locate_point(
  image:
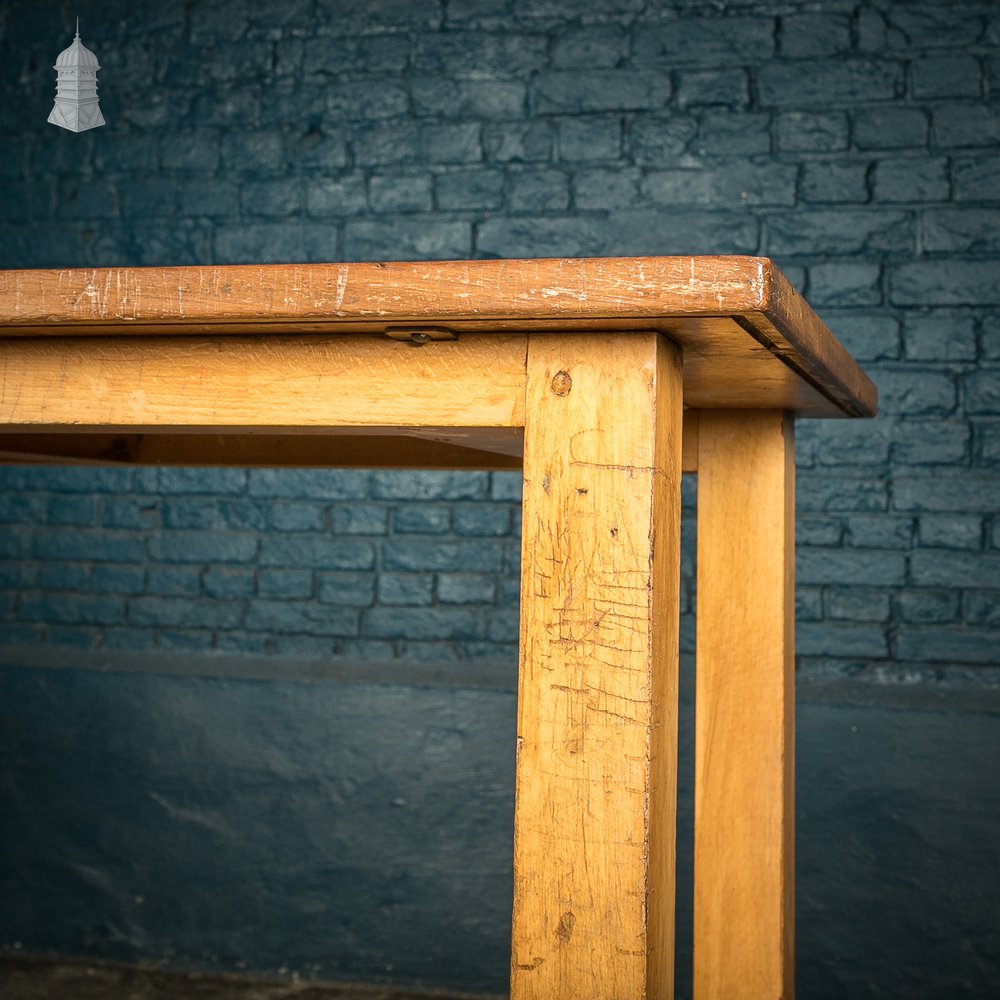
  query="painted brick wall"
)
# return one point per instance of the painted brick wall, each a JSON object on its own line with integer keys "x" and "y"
{"x": 857, "y": 144}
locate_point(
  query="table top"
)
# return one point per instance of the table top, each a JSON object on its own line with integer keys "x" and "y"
{"x": 749, "y": 338}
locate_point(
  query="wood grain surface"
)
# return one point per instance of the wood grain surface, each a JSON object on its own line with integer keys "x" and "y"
{"x": 722, "y": 309}
{"x": 744, "y": 708}
{"x": 597, "y": 701}
{"x": 260, "y": 383}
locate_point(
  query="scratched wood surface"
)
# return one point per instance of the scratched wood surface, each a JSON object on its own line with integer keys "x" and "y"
{"x": 724, "y": 310}
{"x": 270, "y": 383}
{"x": 597, "y": 702}
{"x": 744, "y": 708}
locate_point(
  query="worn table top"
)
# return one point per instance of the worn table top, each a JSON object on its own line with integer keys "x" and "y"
{"x": 749, "y": 338}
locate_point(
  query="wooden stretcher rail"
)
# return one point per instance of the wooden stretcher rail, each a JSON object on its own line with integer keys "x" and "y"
{"x": 748, "y": 338}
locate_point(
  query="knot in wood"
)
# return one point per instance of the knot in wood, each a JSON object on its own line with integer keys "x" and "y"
{"x": 561, "y": 383}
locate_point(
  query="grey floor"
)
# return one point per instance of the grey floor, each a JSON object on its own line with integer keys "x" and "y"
{"x": 57, "y": 979}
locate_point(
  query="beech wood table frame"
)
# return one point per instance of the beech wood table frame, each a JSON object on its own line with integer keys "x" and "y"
{"x": 603, "y": 379}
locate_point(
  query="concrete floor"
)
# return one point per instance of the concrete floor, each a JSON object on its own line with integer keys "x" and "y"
{"x": 32, "y": 978}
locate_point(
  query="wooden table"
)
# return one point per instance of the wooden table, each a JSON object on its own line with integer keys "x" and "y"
{"x": 603, "y": 379}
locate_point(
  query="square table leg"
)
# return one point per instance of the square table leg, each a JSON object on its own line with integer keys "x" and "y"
{"x": 597, "y": 703}
{"x": 744, "y": 708}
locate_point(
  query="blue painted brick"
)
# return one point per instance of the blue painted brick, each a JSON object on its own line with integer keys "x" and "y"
{"x": 508, "y": 485}
{"x": 502, "y": 625}
{"x": 201, "y": 547}
{"x": 704, "y": 39}
{"x": 808, "y": 604}
{"x": 112, "y": 579}
{"x": 608, "y": 187}
{"x": 948, "y": 568}
{"x": 83, "y": 609}
{"x": 285, "y": 583}
{"x": 841, "y": 639}
{"x": 945, "y": 283}
{"x": 566, "y": 91}
{"x": 706, "y": 87}
{"x": 890, "y": 127}
{"x": 918, "y": 26}
{"x": 197, "y": 150}
{"x": 980, "y": 607}
{"x": 359, "y": 519}
{"x": 478, "y": 556}
{"x": 401, "y": 192}
{"x": 884, "y": 531}
{"x": 405, "y": 588}
{"x": 479, "y": 99}
{"x": 652, "y": 140}
{"x": 939, "y": 337}
{"x": 965, "y": 124}
{"x": 257, "y": 150}
{"x": 847, "y": 566}
{"x": 22, "y": 508}
{"x": 458, "y": 190}
{"x": 537, "y": 191}
{"x": 187, "y": 641}
{"x": 77, "y": 479}
{"x": 955, "y": 74}
{"x": 834, "y": 182}
{"x": 956, "y": 531}
{"x": 931, "y": 442}
{"x": 465, "y": 588}
{"x": 857, "y": 604}
{"x": 350, "y": 100}
{"x": 584, "y": 46}
{"x": 982, "y": 391}
{"x": 518, "y": 142}
{"x": 846, "y": 231}
{"x": 313, "y": 484}
{"x": 411, "y": 239}
{"x": 429, "y": 485}
{"x": 62, "y": 576}
{"x": 72, "y": 636}
{"x": 481, "y": 519}
{"x": 279, "y": 197}
{"x": 315, "y": 552}
{"x": 425, "y": 623}
{"x": 926, "y": 606}
{"x": 337, "y": 196}
{"x": 205, "y": 481}
{"x": 730, "y": 184}
{"x": 844, "y": 283}
{"x": 592, "y": 137}
{"x": 914, "y": 391}
{"x": 960, "y": 644}
{"x": 421, "y": 519}
{"x": 175, "y": 581}
{"x": 731, "y": 133}
{"x": 812, "y": 131}
{"x": 307, "y": 617}
{"x": 292, "y": 516}
{"x": 209, "y": 196}
{"x": 355, "y": 590}
{"x": 962, "y": 230}
{"x": 960, "y": 493}
{"x": 830, "y": 82}
{"x": 805, "y": 36}
{"x": 64, "y": 543}
{"x": 976, "y": 177}
{"x": 174, "y": 612}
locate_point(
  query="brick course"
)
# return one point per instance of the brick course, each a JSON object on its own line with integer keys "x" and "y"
{"x": 857, "y": 145}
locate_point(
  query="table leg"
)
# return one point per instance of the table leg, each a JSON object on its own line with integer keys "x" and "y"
{"x": 597, "y": 703}
{"x": 744, "y": 708}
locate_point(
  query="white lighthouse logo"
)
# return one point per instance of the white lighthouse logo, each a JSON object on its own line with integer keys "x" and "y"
{"x": 76, "y": 106}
